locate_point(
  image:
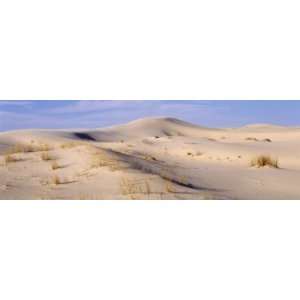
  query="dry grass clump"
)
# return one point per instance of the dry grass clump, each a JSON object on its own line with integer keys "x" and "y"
{"x": 211, "y": 139}
{"x": 55, "y": 166}
{"x": 46, "y": 156}
{"x": 56, "y": 180}
{"x": 251, "y": 139}
{"x": 149, "y": 157}
{"x": 71, "y": 145}
{"x": 267, "y": 140}
{"x": 198, "y": 153}
{"x": 102, "y": 160}
{"x": 170, "y": 188}
{"x": 264, "y": 160}
{"x": 8, "y": 158}
{"x": 130, "y": 187}
{"x": 24, "y": 148}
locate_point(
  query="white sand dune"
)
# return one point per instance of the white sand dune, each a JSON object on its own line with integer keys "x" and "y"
{"x": 152, "y": 158}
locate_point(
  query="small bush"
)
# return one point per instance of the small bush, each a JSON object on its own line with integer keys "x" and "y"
{"x": 267, "y": 140}
{"x": 264, "y": 160}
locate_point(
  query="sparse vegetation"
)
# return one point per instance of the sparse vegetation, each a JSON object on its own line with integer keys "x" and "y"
{"x": 149, "y": 157}
{"x": 170, "y": 188}
{"x": 46, "y": 156}
{"x": 131, "y": 187}
{"x": 251, "y": 139}
{"x": 189, "y": 153}
{"x": 56, "y": 180}
{"x": 267, "y": 140}
{"x": 71, "y": 145}
{"x": 24, "y": 148}
{"x": 55, "y": 165}
{"x": 100, "y": 159}
{"x": 8, "y": 158}
{"x": 264, "y": 160}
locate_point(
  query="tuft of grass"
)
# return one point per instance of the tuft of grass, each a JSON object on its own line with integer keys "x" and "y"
{"x": 149, "y": 157}
{"x": 55, "y": 166}
{"x": 131, "y": 187}
{"x": 251, "y": 139}
{"x": 24, "y": 148}
{"x": 71, "y": 145}
{"x": 267, "y": 140}
{"x": 264, "y": 160}
{"x": 56, "y": 180}
{"x": 8, "y": 158}
{"x": 170, "y": 188}
{"x": 102, "y": 160}
{"x": 189, "y": 153}
{"x": 46, "y": 156}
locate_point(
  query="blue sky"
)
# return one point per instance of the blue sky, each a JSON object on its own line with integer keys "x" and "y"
{"x": 95, "y": 114}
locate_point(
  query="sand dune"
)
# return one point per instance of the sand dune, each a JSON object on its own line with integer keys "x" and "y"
{"x": 152, "y": 158}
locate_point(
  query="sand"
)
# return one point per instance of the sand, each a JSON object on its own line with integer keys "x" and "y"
{"x": 152, "y": 158}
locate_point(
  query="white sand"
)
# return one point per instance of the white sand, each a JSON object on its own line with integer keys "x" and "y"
{"x": 155, "y": 158}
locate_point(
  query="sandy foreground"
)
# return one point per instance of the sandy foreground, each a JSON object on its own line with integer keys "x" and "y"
{"x": 154, "y": 158}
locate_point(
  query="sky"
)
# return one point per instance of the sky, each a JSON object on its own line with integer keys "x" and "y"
{"x": 64, "y": 114}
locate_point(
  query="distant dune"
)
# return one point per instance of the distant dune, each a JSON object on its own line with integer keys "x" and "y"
{"x": 151, "y": 158}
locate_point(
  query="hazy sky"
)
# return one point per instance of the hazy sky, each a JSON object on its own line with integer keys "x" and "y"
{"x": 93, "y": 114}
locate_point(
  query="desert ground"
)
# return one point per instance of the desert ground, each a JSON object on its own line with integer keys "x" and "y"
{"x": 151, "y": 158}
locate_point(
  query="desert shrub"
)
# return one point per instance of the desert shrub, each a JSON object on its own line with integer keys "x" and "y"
{"x": 267, "y": 140}
{"x": 189, "y": 153}
{"x": 264, "y": 160}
